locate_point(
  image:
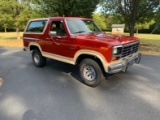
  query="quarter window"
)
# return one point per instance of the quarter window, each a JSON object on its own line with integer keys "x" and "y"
{"x": 36, "y": 26}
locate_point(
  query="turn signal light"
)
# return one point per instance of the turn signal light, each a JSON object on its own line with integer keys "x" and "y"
{"x": 104, "y": 48}
{"x": 114, "y": 58}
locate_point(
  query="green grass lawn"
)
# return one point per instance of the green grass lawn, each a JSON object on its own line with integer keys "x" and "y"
{"x": 149, "y": 43}
{"x": 149, "y": 38}
{"x": 9, "y": 35}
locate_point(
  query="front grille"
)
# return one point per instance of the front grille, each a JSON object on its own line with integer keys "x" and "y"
{"x": 130, "y": 49}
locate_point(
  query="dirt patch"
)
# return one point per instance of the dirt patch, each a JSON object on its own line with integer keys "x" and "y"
{"x": 150, "y": 49}
{"x": 11, "y": 43}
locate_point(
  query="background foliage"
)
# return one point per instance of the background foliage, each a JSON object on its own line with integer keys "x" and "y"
{"x": 133, "y": 12}
{"x": 138, "y": 15}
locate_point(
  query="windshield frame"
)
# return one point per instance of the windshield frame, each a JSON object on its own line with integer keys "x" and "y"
{"x": 83, "y": 19}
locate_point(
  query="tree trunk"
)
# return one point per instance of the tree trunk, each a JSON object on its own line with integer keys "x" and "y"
{"x": 137, "y": 31}
{"x": 18, "y": 34}
{"x": 132, "y": 31}
{"x": 5, "y": 29}
{"x": 133, "y": 10}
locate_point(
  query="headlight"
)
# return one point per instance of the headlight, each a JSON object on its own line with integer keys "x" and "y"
{"x": 117, "y": 50}
{"x": 116, "y": 53}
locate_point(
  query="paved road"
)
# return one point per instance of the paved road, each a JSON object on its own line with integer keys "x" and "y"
{"x": 55, "y": 93}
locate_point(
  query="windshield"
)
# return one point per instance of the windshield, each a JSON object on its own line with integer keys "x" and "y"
{"x": 82, "y": 26}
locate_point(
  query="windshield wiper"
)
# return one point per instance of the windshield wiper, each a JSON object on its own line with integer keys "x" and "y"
{"x": 79, "y": 32}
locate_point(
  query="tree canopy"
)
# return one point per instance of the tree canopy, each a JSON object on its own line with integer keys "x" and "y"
{"x": 100, "y": 21}
{"x": 14, "y": 14}
{"x": 82, "y": 8}
{"x": 132, "y": 11}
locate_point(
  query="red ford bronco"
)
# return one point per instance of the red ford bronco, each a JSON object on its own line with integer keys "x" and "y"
{"x": 80, "y": 41}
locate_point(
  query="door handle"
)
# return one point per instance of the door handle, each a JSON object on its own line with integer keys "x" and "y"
{"x": 48, "y": 38}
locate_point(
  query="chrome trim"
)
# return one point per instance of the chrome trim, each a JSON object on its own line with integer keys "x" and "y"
{"x": 124, "y": 64}
{"x": 30, "y": 38}
{"x": 117, "y": 46}
{"x": 89, "y": 73}
{"x": 120, "y": 55}
{"x": 138, "y": 59}
{"x": 129, "y": 49}
{"x": 116, "y": 67}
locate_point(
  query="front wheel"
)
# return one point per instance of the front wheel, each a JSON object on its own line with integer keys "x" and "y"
{"x": 38, "y": 59}
{"x": 90, "y": 72}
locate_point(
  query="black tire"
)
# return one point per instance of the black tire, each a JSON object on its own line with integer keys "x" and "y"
{"x": 38, "y": 59}
{"x": 90, "y": 72}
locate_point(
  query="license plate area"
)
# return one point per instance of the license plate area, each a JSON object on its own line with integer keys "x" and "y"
{"x": 129, "y": 62}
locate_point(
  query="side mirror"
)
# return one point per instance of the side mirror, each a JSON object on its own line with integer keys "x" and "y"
{"x": 52, "y": 33}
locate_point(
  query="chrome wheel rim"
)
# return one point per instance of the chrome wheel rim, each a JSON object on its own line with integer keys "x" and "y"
{"x": 36, "y": 58}
{"x": 89, "y": 73}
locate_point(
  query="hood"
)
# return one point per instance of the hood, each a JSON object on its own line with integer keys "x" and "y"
{"x": 108, "y": 38}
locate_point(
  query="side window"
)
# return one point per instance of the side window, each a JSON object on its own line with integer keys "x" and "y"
{"x": 36, "y": 26}
{"x": 58, "y": 27}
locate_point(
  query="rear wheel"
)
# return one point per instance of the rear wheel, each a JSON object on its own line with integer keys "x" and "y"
{"x": 90, "y": 72}
{"x": 38, "y": 59}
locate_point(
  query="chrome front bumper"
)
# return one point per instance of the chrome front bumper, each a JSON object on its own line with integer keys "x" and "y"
{"x": 123, "y": 65}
